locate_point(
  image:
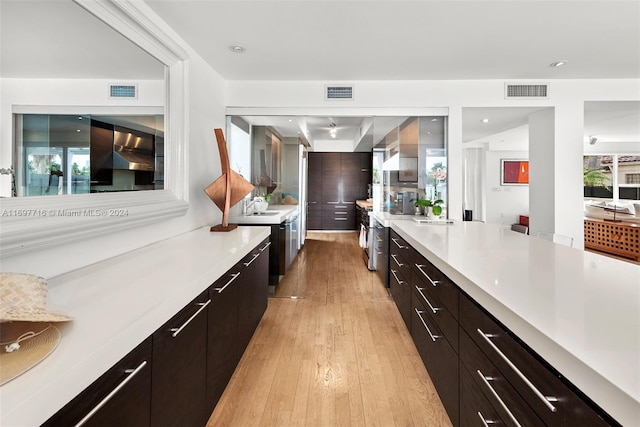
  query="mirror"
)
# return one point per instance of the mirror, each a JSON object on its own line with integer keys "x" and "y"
{"x": 129, "y": 52}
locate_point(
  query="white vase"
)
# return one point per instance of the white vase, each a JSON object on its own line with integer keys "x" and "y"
{"x": 428, "y": 212}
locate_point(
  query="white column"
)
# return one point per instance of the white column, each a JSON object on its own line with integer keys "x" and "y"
{"x": 542, "y": 171}
{"x": 454, "y": 163}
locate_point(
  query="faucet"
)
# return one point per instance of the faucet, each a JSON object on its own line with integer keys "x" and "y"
{"x": 248, "y": 203}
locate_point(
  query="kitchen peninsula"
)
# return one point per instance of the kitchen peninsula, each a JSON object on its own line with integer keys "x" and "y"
{"x": 577, "y": 312}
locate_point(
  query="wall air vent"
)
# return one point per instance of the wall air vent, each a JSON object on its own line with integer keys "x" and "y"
{"x": 123, "y": 91}
{"x": 526, "y": 91}
{"x": 343, "y": 92}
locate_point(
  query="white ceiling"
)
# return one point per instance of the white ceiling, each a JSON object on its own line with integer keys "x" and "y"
{"x": 351, "y": 40}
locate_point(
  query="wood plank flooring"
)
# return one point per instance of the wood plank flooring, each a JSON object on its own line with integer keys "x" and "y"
{"x": 336, "y": 355}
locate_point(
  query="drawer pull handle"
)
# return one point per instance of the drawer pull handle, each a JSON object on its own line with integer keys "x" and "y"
{"x": 247, "y": 264}
{"x": 433, "y": 282}
{"x": 545, "y": 399}
{"x": 396, "y": 260}
{"x": 340, "y": 219}
{"x": 398, "y": 244}
{"x": 202, "y": 305}
{"x": 433, "y": 309}
{"x": 333, "y": 203}
{"x": 233, "y": 277}
{"x": 132, "y": 373}
{"x": 486, "y": 422}
{"x": 400, "y": 282}
{"x": 262, "y": 249}
{"x": 378, "y": 239}
{"x": 341, "y": 207}
{"x": 486, "y": 380}
{"x": 433, "y": 337}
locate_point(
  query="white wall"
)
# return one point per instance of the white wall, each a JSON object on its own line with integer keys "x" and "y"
{"x": 399, "y": 97}
{"x": 205, "y": 100}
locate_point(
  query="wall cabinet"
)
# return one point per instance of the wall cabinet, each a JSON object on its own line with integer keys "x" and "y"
{"x": 336, "y": 181}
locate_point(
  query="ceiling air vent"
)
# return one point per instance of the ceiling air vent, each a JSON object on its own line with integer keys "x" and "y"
{"x": 524, "y": 91}
{"x": 123, "y": 91}
{"x": 339, "y": 92}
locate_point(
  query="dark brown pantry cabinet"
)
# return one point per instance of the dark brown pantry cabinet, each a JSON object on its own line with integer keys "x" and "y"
{"x": 336, "y": 181}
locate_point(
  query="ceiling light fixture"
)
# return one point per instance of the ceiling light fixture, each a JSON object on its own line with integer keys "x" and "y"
{"x": 236, "y": 49}
{"x": 332, "y": 129}
{"x": 559, "y": 63}
{"x": 485, "y": 120}
{"x": 592, "y": 139}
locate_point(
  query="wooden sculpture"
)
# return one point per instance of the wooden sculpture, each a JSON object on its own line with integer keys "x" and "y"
{"x": 227, "y": 190}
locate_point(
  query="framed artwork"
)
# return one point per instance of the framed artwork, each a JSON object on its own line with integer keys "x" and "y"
{"x": 408, "y": 169}
{"x": 514, "y": 172}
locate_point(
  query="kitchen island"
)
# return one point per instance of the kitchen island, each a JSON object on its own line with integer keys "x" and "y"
{"x": 578, "y": 311}
{"x": 117, "y": 304}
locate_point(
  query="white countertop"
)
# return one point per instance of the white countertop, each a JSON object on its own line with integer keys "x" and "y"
{"x": 580, "y": 311}
{"x": 385, "y": 218}
{"x": 116, "y": 304}
{"x": 275, "y": 214}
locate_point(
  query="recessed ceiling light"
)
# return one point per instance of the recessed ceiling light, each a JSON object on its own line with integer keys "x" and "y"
{"x": 558, "y": 63}
{"x": 290, "y": 120}
{"x": 77, "y": 130}
{"x": 434, "y": 120}
{"x": 485, "y": 120}
{"x": 236, "y": 48}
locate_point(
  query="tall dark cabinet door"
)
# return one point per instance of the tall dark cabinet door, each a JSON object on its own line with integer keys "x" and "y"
{"x": 178, "y": 395}
{"x": 350, "y": 177}
{"x": 331, "y": 187}
{"x": 314, "y": 198}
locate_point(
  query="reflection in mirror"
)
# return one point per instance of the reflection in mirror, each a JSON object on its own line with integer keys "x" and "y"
{"x": 76, "y": 154}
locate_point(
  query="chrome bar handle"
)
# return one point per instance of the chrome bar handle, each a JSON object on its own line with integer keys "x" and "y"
{"x": 341, "y": 207}
{"x": 202, "y": 305}
{"x": 247, "y": 264}
{"x": 398, "y": 244}
{"x": 433, "y": 309}
{"x": 132, "y": 373}
{"x": 433, "y": 337}
{"x": 262, "y": 249}
{"x": 400, "y": 282}
{"x": 433, "y": 282}
{"x": 233, "y": 277}
{"x": 545, "y": 399}
{"x": 485, "y": 422}
{"x": 396, "y": 260}
{"x": 333, "y": 203}
{"x": 486, "y": 380}
{"x": 340, "y": 219}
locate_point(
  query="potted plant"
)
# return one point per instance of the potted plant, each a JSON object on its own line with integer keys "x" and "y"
{"x": 429, "y": 206}
{"x": 420, "y": 205}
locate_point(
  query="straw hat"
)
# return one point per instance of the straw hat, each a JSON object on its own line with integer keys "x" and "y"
{"x": 23, "y": 345}
{"x": 23, "y": 297}
{"x": 26, "y": 336}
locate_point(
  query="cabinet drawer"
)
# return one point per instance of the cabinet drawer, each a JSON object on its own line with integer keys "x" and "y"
{"x": 400, "y": 248}
{"x": 443, "y": 318}
{"x": 539, "y": 384}
{"x": 436, "y": 284}
{"x": 401, "y": 294}
{"x": 475, "y": 409}
{"x": 398, "y": 264}
{"x": 495, "y": 387}
{"x": 439, "y": 358}
{"x": 130, "y": 404}
{"x": 338, "y": 223}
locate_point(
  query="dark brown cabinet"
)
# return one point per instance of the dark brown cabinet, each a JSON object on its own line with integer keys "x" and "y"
{"x": 336, "y": 181}
{"x": 483, "y": 373}
{"x": 120, "y": 397}
{"x": 400, "y": 280}
{"x": 238, "y": 301}
{"x": 179, "y": 363}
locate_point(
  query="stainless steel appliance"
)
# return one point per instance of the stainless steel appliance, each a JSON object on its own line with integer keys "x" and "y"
{"x": 405, "y": 201}
{"x": 366, "y": 221}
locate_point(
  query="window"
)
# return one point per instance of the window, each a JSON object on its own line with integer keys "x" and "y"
{"x": 615, "y": 177}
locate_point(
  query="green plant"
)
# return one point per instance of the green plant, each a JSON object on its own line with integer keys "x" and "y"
{"x": 594, "y": 177}
{"x": 435, "y": 205}
{"x": 267, "y": 197}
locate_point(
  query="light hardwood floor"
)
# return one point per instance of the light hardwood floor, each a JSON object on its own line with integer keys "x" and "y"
{"x": 338, "y": 355}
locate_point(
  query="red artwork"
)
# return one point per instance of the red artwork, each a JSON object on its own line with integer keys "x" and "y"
{"x": 515, "y": 172}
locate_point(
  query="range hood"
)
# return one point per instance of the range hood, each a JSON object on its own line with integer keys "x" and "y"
{"x": 133, "y": 150}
